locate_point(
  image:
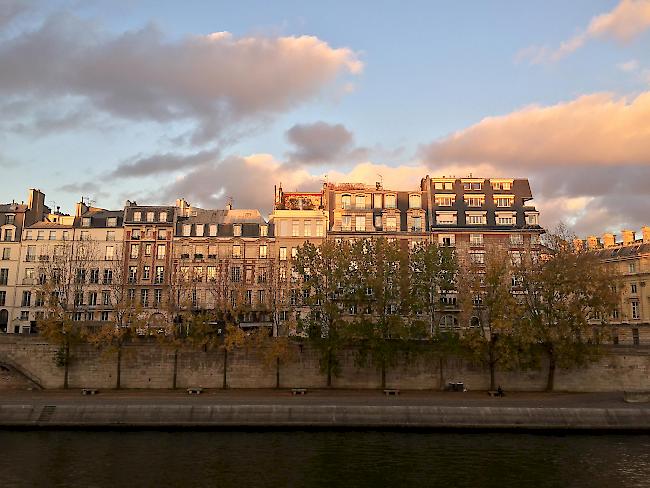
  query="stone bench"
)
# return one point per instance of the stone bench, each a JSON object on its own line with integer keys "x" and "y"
{"x": 194, "y": 391}
{"x": 636, "y": 396}
{"x": 89, "y": 391}
{"x": 298, "y": 391}
{"x": 391, "y": 392}
{"x": 496, "y": 393}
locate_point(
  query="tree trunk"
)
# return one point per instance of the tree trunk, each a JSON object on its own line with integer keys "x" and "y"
{"x": 66, "y": 367}
{"x": 329, "y": 368}
{"x": 492, "y": 368}
{"x": 441, "y": 378}
{"x": 175, "y": 376}
{"x": 118, "y": 375}
{"x": 225, "y": 369}
{"x": 550, "y": 383}
{"x": 277, "y": 372}
{"x": 383, "y": 374}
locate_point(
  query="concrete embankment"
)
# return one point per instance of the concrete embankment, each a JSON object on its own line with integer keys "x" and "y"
{"x": 151, "y": 415}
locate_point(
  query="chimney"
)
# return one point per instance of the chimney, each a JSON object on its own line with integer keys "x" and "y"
{"x": 36, "y": 202}
{"x": 593, "y": 242}
{"x": 628, "y": 237}
{"x": 609, "y": 239}
{"x": 646, "y": 233}
{"x": 80, "y": 208}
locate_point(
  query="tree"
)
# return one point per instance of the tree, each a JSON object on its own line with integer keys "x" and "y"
{"x": 63, "y": 272}
{"x": 273, "y": 351}
{"x": 491, "y": 311}
{"x": 324, "y": 272}
{"x": 563, "y": 289}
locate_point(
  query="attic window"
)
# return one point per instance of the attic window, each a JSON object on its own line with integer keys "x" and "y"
{"x": 85, "y": 222}
{"x": 236, "y": 230}
{"x": 111, "y": 222}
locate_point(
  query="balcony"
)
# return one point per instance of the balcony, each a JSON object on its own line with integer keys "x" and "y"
{"x": 30, "y": 281}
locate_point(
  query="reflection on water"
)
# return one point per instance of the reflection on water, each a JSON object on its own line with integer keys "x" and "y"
{"x": 306, "y": 459}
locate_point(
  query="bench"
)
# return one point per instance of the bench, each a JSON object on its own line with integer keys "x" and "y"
{"x": 298, "y": 391}
{"x": 194, "y": 391}
{"x": 89, "y": 391}
{"x": 495, "y": 393}
{"x": 391, "y": 392}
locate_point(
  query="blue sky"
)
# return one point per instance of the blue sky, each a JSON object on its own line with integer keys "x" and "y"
{"x": 381, "y": 87}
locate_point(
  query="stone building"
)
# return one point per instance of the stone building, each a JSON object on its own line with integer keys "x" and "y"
{"x": 14, "y": 217}
{"x": 628, "y": 261}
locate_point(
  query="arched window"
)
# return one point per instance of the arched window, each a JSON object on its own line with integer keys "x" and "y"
{"x": 346, "y": 201}
{"x": 448, "y": 322}
{"x": 390, "y": 201}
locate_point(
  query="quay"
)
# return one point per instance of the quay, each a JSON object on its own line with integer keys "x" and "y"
{"x": 321, "y": 409}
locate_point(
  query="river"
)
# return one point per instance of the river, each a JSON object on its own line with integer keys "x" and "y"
{"x": 320, "y": 459}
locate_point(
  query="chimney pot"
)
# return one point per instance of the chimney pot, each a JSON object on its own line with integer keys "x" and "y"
{"x": 628, "y": 237}
{"x": 609, "y": 239}
{"x": 593, "y": 242}
{"x": 646, "y": 233}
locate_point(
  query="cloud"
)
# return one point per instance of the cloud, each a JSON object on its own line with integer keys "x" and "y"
{"x": 626, "y": 21}
{"x": 141, "y": 166}
{"x": 597, "y": 129}
{"x": 322, "y": 143}
{"x": 629, "y": 66}
{"x": 12, "y": 9}
{"x": 210, "y": 81}
{"x": 84, "y": 189}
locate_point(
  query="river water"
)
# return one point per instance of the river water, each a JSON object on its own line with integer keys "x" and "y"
{"x": 321, "y": 459}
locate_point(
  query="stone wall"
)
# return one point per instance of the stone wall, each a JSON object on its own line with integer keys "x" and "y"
{"x": 148, "y": 365}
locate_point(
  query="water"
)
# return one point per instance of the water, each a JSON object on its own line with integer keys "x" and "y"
{"x": 315, "y": 459}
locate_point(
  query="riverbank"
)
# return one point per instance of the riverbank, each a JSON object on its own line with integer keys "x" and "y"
{"x": 322, "y": 409}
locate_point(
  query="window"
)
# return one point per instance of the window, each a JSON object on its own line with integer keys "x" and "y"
{"x": 92, "y": 298}
{"x": 52, "y": 235}
{"x": 633, "y": 289}
{"x": 28, "y": 235}
{"x": 197, "y": 274}
{"x": 10, "y": 219}
{"x": 6, "y": 253}
{"x": 501, "y": 185}
{"x": 477, "y": 257}
{"x": 294, "y": 252}
{"x": 9, "y": 235}
{"x": 448, "y": 322}
{"x": 631, "y": 267}
{"x": 391, "y": 223}
{"x": 415, "y": 200}
{"x": 474, "y": 200}
{"x": 295, "y": 228}
{"x": 3, "y": 298}
{"x": 4, "y": 276}
{"x": 532, "y": 219}
{"x": 260, "y": 297}
{"x": 236, "y": 230}
{"x": 635, "y": 309}
{"x": 162, "y": 234}
{"x": 283, "y": 254}
{"x": 108, "y": 276}
{"x": 135, "y": 251}
{"x": 110, "y": 235}
{"x": 94, "y": 276}
{"x": 635, "y": 336}
{"x": 476, "y": 239}
{"x": 264, "y": 230}
{"x": 85, "y": 222}
{"x": 360, "y": 201}
{"x": 199, "y": 230}
{"x": 111, "y": 222}
{"x": 148, "y": 247}
{"x": 501, "y": 201}
{"x": 235, "y": 274}
{"x": 515, "y": 257}
{"x": 146, "y": 271}
{"x": 319, "y": 228}
{"x": 446, "y": 218}
{"x": 346, "y": 201}
{"x": 162, "y": 217}
{"x": 110, "y": 253}
{"x": 505, "y": 218}
{"x": 472, "y": 185}
{"x": 391, "y": 201}
{"x": 161, "y": 251}
{"x": 444, "y": 185}
{"x": 144, "y": 297}
{"x": 85, "y": 235}
{"x": 27, "y": 299}
{"x": 417, "y": 224}
{"x": 79, "y": 298}
{"x": 106, "y": 298}
{"x": 236, "y": 251}
{"x": 130, "y": 294}
{"x": 157, "y": 297}
{"x": 475, "y": 219}
{"x": 376, "y": 200}
{"x": 360, "y": 223}
{"x": 445, "y": 200}
{"x": 346, "y": 223}
{"x": 40, "y": 299}
{"x": 516, "y": 240}
{"x": 263, "y": 251}
{"x": 137, "y": 216}
{"x": 160, "y": 275}
{"x": 149, "y": 216}
{"x": 133, "y": 273}
{"x": 307, "y": 228}
{"x": 187, "y": 230}
{"x": 135, "y": 234}
{"x": 447, "y": 240}
{"x": 104, "y": 316}
{"x": 24, "y": 315}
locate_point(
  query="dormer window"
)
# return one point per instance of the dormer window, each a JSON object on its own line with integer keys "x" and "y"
{"x": 10, "y": 219}
{"x": 162, "y": 217}
{"x": 264, "y": 230}
{"x": 501, "y": 185}
{"x": 506, "y": 218}
{"x": 415, "y": 200}
{"x": 199, "y": 230}
{"x": 445, "y": 200}
{"x": 504, "y": 201}
{"x": 472, "y": 185}
{"x": 532, "y": 218}
{"x": 111, "y": 222}
{"x": 150, "y": 216}
{"x": 446, "y": 218}
{"x": 236, "y": 230}
{"x": 85, "y": 222}
{"x": 475, "y": 200}
{"x": 187, "y": 230}
{"x": 391, "y": 201}
{"x": 346, "y": 201}
{"x": 443, "y": 185}
{"x": 137, "y": 216}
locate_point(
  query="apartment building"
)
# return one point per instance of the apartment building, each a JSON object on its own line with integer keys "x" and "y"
{"x": 223, "y": 260}
{"x": 628, "y": 261}
{"x": 14, "y": 217}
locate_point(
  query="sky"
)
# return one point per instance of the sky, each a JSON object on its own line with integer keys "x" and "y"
{"x": 214, "y": 101}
